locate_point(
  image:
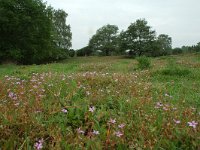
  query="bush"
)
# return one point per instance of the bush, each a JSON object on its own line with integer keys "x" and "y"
{"x": 177, "y": 51}
{"x": 143, "y": 62}
{"x": 72, "y": 53}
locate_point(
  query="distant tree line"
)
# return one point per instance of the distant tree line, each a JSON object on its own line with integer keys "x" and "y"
{"x": 139, "y": 39}
{"x": 187, "y": 49}
{"x": 32, "y": 32}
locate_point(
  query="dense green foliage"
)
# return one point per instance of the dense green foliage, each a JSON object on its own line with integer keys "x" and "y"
{"x": 164, "y": 43}
{"x": 101, "y": 103}
{"x": 85, "y": 51}
{"x": 143, "y": 62}
{"x": 105, "y": 40}
{"x": 186, "y": 49}
{"x": 139, "y": 39}
{"x": 31, "y": 32}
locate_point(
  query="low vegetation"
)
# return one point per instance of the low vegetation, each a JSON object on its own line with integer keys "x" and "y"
{"x": 101, "y": 103}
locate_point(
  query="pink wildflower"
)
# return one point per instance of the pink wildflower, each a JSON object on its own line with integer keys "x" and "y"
{"x": 12, "y": 96}
{"x": 113, "y": 121}
{"x": 39, "y": 145}
{"x": 118, "y": 134}
{"x": 193, "y": 124}
{"x": 80, "y": 131}
{"x": 64, "y": 110}
{"x": 92, "y": 109}
{"x": 121, "y": 125}
{"x": 177, "y": 121}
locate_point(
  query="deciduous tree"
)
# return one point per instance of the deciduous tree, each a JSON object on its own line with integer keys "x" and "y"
{"x": 105, "y": 39}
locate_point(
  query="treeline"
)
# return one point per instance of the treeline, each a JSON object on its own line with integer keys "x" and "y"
{"x": 139, "y": 39}
{"x": 187, "y": 49}
{"x": 32, "y": 32}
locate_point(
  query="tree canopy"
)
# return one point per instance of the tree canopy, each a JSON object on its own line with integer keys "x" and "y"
{"x": 105, "y": 39}
{"x": 165, "y": 44}
{"x": 139, "y": 37}
{"x": 28, "y": 31}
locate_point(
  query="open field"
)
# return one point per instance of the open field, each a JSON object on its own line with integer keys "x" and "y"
{"x": 101, "y": 103}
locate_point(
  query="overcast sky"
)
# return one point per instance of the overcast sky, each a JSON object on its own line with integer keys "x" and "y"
{"x": 180, "y": 19}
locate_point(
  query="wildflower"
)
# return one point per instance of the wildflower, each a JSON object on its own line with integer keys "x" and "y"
{"x": 95, "y": 132}
{"x": 118, "y": 134}
{"x": 92, "y": 109}
{"x": 113, "y": 121}
{"x": 158, "y": 105}
{"x": 12, "y": 96}
{"x": 80, "y": 131}
{"x": 121, "y": 125}
{"x": 177, "y": 121}
{"x": 64, "y": 110}
{"x": 39, "y": 145}
{"x": 193, "y": 124}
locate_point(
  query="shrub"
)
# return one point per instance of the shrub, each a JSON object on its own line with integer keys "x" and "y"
{"x": 143, "y": 62}
{"x": 177, "y": 51}
{"x": 72, "y": 53}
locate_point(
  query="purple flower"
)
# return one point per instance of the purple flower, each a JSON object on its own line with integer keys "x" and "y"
{"x": 80, "y": 131}
{"x": 193, "y": 124}
{"x": 12, "y": 95}
{"x": 121, "y": 125}
{"x": 95, "y": 132}
{"x": 177, "y": 121}
{"x": 64, "y": 110}
{"x": 113, "y": 121}
{"x": 39, "y": 145}
{"x": 92, "y": 109}
{"x": 118, "y": 134}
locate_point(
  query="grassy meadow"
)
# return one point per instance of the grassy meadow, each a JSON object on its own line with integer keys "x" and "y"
{"x": 101, "y": 103}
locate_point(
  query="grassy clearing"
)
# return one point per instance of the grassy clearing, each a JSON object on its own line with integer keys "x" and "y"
{"x": 101, "y": 103}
